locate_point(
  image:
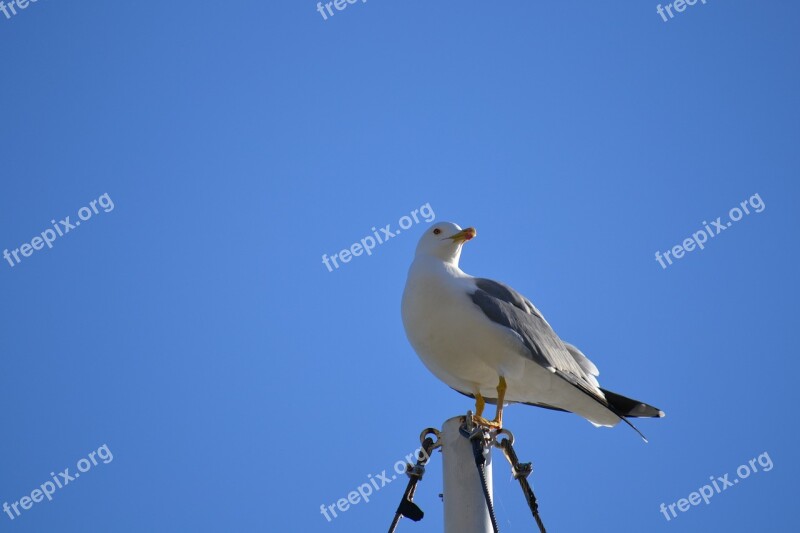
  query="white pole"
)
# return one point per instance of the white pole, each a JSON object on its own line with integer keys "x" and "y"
{"x": 465, "y": 508}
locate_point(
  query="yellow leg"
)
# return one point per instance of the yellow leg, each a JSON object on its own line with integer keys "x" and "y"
{"x": 497, "y": 423}
{"x": 480, "y": 403}
{"x": 501, "y": 394}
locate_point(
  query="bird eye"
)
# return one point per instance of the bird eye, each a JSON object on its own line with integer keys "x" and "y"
{"x": 437, "y": 231}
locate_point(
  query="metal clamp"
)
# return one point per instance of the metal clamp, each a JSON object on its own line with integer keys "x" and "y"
{"x": 431, "y": 431}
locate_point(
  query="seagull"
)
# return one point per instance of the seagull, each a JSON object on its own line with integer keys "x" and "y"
{"x": 487, "y": 341}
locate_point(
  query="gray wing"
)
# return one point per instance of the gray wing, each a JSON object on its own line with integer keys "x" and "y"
{"x": 586, "y": 365}
{"x": 505, "y": 306}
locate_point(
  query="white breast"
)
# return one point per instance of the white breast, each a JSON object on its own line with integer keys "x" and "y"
{"x": 449, "y": 333}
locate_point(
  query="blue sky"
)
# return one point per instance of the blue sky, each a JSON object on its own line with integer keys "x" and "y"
{"x": 194, "y": 330}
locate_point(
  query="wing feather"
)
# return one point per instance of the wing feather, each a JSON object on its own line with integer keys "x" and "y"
{"x": 505, "y": 306}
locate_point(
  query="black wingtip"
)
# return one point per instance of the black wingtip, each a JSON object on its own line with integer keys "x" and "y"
{"x": 629, "y": 407}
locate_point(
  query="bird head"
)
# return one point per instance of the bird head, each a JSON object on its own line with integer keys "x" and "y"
{"x": 444, "y": 241}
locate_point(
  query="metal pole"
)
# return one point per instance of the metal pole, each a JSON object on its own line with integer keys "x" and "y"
{"x": 465, "y": 508}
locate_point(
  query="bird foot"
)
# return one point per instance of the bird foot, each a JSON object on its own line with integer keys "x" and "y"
{"x": 491, "y": 424}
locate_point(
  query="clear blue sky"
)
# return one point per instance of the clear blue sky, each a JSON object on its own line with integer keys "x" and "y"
{"x": 195, "y": 331}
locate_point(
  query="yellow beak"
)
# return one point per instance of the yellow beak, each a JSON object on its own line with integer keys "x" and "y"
{"x": 464, "y": 235}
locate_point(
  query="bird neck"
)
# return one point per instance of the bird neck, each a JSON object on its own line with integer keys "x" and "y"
{"x": 430, "y": 265}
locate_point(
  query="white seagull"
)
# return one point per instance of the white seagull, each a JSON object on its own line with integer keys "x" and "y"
{"x": 487, "y": 341}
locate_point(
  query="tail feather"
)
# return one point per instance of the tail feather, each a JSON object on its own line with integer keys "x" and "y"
{"x": 628, "y": 407}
